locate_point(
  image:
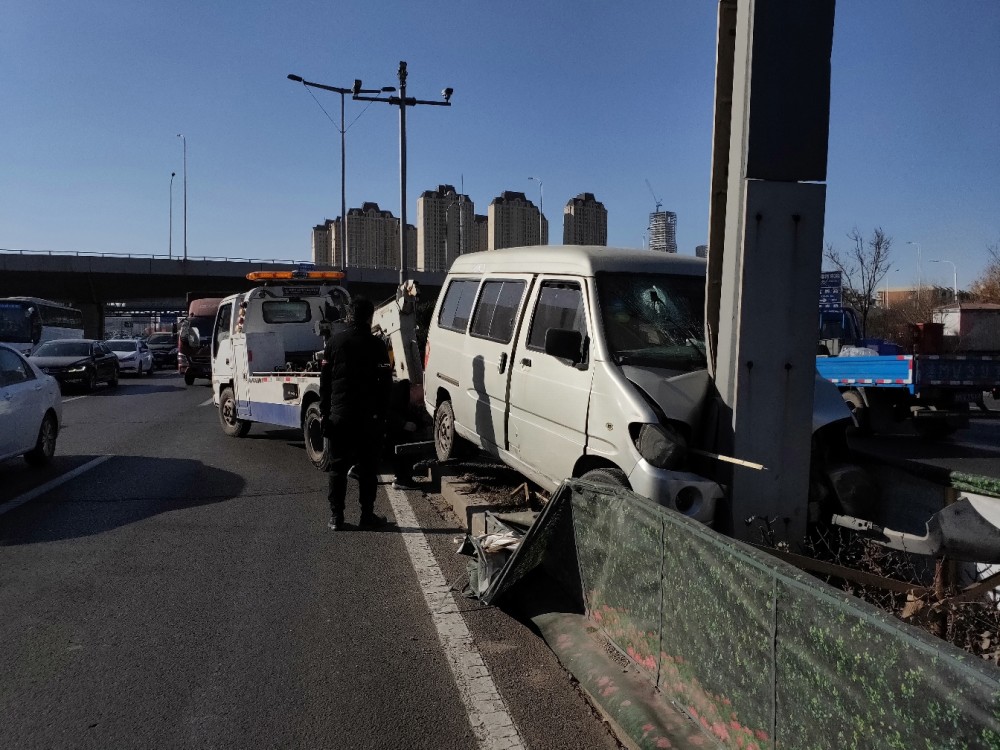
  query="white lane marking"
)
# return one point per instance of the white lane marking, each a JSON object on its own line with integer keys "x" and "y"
{"x": 491, "y": 722}
{"x": 31, "y": 495}
{"x": 75, "y": 398}
{"x": 207, "y": 403}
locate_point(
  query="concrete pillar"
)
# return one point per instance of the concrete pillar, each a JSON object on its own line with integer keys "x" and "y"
{"x": 765, "y": 250}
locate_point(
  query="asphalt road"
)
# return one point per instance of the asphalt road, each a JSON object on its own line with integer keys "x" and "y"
{"x": 162, "y": 585}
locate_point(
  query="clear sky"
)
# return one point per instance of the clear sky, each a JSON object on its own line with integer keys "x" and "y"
{"x": 588, "y": 96}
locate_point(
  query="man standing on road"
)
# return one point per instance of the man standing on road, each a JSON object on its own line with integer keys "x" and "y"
{"x": 354, "y": 388}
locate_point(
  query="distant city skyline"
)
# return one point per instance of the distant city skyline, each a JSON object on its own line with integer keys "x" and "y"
{"x": 88, "y": 140}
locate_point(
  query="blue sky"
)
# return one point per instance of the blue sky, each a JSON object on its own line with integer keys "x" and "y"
{"x": 588, "y": 96}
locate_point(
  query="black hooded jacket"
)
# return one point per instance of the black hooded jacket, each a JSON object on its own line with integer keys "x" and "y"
{"x": 355, "y": 382}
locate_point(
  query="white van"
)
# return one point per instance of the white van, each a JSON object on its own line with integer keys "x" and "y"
{"x": 573, "y": 361}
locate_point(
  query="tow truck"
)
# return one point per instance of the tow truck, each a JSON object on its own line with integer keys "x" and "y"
{"x": 267, "y": 350}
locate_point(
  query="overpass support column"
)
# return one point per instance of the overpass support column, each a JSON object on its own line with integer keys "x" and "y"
{"x": 765, "y": 250}
{"x": 93, "y": 319}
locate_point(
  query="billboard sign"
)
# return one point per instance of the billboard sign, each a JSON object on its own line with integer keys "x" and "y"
{"x": 830, "y": 290}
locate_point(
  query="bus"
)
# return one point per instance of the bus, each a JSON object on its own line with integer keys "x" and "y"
{"x": 26, "y": 322}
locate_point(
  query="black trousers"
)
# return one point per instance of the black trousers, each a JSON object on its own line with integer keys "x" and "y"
{"x": 362, "y": 452}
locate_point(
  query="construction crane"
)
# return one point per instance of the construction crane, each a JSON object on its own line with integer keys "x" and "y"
{"x": 655, "y": 199}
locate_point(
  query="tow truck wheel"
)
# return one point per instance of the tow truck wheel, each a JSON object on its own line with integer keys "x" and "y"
{"x": 448, "y": 444}
{"x": 188, "y": 377}
{"x": 317, "y": 446}
{"x": 231, "y": 424}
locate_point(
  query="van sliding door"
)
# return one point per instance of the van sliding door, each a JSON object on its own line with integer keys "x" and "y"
{"x": 489, "y": 352}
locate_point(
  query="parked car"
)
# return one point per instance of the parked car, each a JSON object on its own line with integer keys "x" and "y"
{"x": 30, "y": 409}
{"x": 133, "y": 355}
{"x": 77, "y": 361}
{"x": 164, "y": 349}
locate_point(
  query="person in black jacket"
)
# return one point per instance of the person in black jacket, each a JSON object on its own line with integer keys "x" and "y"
{"x": 354, "y": 388}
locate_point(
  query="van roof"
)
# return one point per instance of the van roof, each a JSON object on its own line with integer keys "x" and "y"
{"x": 578, "y": 260}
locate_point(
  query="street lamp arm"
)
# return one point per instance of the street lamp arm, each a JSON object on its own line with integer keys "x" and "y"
{"x": 335, "y": 89}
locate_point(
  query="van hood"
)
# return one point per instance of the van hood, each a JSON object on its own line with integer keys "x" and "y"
{"x": 681, "y": 396}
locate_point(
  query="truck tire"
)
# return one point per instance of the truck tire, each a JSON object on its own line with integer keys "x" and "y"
{"x": 856, "y": 403}
{"x": 611, "y": 476}
{"x": 448, "y": 444}
{"x": 231, "y": 424}
{"x": 317, "y": 446}
{"x": 188, "y": 377}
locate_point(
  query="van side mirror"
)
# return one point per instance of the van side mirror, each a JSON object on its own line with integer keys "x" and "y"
{"x": 564, "y": 343}
{"x": 194, "y": 337}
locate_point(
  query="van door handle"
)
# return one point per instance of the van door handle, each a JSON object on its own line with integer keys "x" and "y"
{"x": 502, "y": 364}
{"x": 526, "y": 362}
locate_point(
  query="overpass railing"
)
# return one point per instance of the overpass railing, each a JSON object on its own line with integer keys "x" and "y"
{"x": 146, "y": 256}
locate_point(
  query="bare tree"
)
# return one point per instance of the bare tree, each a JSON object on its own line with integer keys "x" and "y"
{"x": 987, "y": 287}
{"x": 862, "y": 268}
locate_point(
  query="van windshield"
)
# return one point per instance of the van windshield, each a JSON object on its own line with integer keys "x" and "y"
{"x": 654, "y": 320}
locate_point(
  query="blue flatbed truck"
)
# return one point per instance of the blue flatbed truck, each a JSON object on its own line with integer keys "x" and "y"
{"x": 934, "y": 390}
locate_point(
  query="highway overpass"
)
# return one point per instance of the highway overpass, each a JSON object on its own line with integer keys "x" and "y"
{"x": 101, "y": 282}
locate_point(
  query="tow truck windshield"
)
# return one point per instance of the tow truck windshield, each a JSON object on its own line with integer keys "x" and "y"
{"x": 654, "y": 320}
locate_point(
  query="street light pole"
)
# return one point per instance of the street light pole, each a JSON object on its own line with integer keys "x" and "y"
{"x": 184, "y": 141}
{"x": 954, "y": 277}
{"x": 541, "y": 209}
{"x": 920, "y": 271}
{"x": 170, "y": 235}
{"x": 402, "y": 101}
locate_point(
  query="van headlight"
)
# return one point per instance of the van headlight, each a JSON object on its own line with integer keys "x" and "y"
{"x": 662, "y": 446}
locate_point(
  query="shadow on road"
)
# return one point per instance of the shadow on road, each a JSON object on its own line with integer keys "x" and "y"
{"x": 121, "y": 491}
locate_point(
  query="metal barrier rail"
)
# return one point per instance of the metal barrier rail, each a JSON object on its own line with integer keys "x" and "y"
{"x": 143, "y": 256}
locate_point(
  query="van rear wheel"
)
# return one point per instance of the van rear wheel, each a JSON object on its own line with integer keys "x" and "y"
{"x": 231, "y": 424}
{"x": 448, "y": 444}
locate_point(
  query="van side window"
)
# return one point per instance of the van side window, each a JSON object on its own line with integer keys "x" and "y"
{"x": 457, "y": 305}
{"x": 497, "y": 308}
{"x": 560, "y": 305}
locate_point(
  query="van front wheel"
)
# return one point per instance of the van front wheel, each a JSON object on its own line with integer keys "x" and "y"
{"x": 448, "y": 444}
{"x": 611, "y": 476}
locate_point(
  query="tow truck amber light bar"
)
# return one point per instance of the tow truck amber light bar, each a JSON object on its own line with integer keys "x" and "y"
{"x": 293, "y": 275}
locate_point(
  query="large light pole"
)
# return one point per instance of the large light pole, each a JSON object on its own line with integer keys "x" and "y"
{"x": 920, "y": 271}
{"x": 402, "y": 101}
{"x": 954, "y": 277}
{"x": 184, "y": 141}
{"x": 170, "y": 234}
{"x": 541, "y": 209}
{"x": 343, "y": 148}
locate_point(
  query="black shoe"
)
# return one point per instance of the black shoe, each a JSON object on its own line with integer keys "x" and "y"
{"x": 353, "y": 473}
{"x": 371, "y": 521}
{"x": 404, "y": 483}
{"x": 336, "y": 522}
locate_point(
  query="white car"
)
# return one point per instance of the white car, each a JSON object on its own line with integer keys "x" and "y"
{"x": 133, "y": 355}
{"x": 30, "y": 409}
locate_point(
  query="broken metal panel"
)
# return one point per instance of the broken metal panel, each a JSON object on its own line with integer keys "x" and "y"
{"x": 967, "y": 529}
{"x": 751, "y": 648}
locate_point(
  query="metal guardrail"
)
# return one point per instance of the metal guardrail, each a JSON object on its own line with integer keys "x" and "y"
{"x": 144, "y": 256}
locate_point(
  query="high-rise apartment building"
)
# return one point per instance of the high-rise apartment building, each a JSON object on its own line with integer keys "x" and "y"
{"x": 515, "y": 221}
{"x": 480, "y": 234}
{"x": 585, "y": 221}
{"x": 326, "y": 245}
{"x": 373, "y": 238}
{"x": 663, "y": 231}
{"x": 701, "y": 251}
{"x": 444, "y": 222}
